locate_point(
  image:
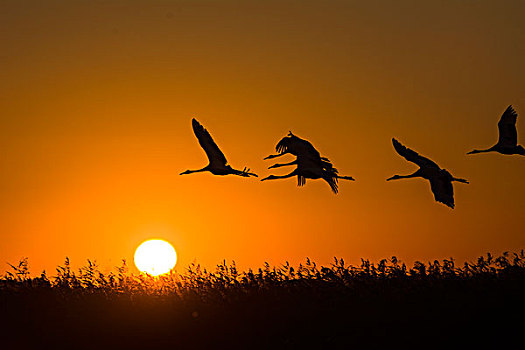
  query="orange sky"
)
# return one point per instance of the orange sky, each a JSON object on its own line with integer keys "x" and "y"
{"x": 96, "y": 104}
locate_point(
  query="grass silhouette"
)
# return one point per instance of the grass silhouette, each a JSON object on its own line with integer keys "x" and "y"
{"x": 429, "y": 305}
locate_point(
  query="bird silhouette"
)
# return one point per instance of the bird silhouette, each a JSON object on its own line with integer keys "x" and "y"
{"x": 508, "y": 135}
{"x": 295, "y": 145}
{"x": 309, "y": 163}
{"x": 440, "y": 179}
{"x": 307, "y": 168}
{"x": 218, "y": 165}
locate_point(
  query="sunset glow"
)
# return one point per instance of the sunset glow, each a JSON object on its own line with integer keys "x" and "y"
{"x": 155, "y": 257}
{"x": 97, "y": 107}
{"x": 262, "y": 174}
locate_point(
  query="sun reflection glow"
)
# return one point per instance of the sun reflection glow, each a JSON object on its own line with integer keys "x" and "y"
{"x": 155, "y": 257}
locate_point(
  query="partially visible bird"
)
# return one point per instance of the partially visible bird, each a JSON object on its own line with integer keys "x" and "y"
{"x": 308, "y": 168}
{"x": 508, "y": 135}
{"x": 218, "y": 165}
{"x": 295, "y": 145}
{"x": 309, "y": 162}
{"x": 440, "y": 179}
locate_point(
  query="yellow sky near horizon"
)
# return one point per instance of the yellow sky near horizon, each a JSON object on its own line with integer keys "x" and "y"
{"x": 96, "y": 104}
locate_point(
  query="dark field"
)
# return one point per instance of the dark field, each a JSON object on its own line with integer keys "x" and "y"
{"x": 432, "y": 305}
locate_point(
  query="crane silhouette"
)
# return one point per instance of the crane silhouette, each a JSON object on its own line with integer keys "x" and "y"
{"x": 309, "y": 162}
{"x": 508, "y": 135}
{"x": 308, "y": 168}
{"x": 292, "y": 144}
{"x": 440, "y": 179}
{"x": 295, "y": 145}
{"x": 218, "y": 165}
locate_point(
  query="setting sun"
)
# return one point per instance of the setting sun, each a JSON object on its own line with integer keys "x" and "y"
{"x": 155, "y": 257}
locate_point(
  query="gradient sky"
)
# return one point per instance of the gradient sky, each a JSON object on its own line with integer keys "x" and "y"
{"x": 96, "y": 104}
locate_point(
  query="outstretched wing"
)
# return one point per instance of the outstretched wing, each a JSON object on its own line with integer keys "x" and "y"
{"x": 283, "y": 144}
{"x": 508, "y": 136}
{"x": 215, "y": 156}
{"x": 297, "y": 146}
{"x": 441, "y": 186}
{"x": 413, "y": 156}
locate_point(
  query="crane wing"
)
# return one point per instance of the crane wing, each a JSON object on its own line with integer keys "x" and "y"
{"x": 413, "y": 156}
{"x": 297, "y": 146}
{"x": 441, "y": 186}
{"x": 327, "y": 165}
{"x": 215, "y": 156}
{"x": 508, "y": 136}
{"x": 283, "y": 144}
{"x": 331, "y": 179}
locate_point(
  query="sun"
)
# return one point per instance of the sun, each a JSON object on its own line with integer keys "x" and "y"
{"x": 155, "y": 257}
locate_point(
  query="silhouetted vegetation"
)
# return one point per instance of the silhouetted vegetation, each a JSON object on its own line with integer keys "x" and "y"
{"x": 428, "y": 305}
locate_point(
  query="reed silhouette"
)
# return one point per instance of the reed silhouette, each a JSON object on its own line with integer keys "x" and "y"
{"x": 387, "y": 303}
{"x": 508, "y": 136}
{"x": 310, "y": 164}
{"x": 218, "y": 165}
{"x": 440, "y": 179}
